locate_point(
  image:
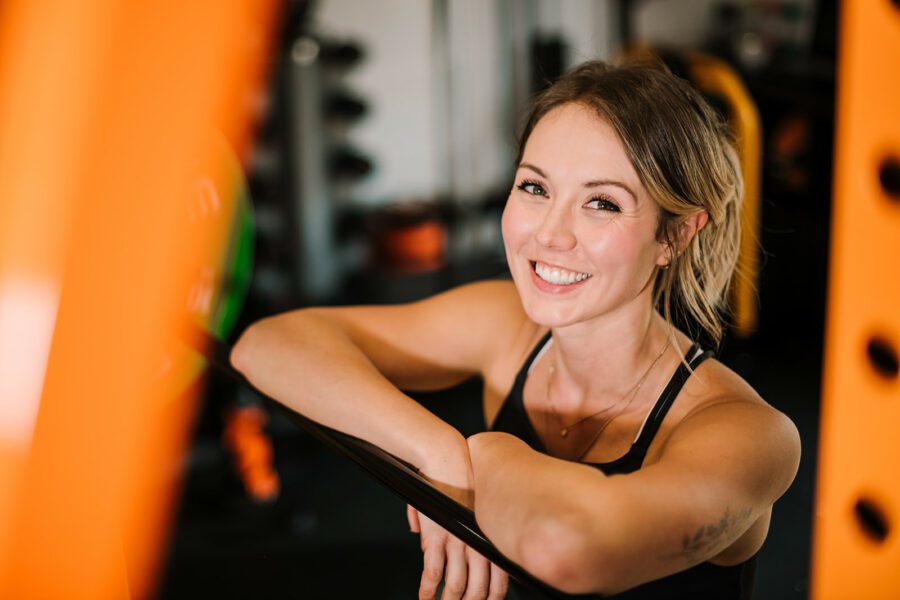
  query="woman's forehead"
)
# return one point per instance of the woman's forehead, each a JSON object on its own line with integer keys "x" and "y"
{"x": 573, "y": 143}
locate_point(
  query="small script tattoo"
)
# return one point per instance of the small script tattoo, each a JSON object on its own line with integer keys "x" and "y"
{"x": 696, "y": 546}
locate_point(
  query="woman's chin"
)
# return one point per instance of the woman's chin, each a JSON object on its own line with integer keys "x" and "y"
{"x": 548, "y": 316}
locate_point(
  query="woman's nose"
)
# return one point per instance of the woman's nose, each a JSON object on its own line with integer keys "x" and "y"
{"x": 555, "y": 230}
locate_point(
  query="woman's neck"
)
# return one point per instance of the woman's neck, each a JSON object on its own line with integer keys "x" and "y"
{"x": 601, "y": 361}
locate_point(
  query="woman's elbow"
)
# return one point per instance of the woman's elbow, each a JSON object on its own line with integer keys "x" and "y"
{"x": 267, "y": 341}
{"x": 558, "y": 552}
{"x": 252, "y": 343}
{"x": 241, "y": 356}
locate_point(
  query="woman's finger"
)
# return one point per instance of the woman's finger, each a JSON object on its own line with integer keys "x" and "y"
{"x": 412, "y": 515}
{"x": 499, "y": 583}
{"x": 479, "y": 576}
{"x": 433, "y": 568}
{"x": 455, "y": 573}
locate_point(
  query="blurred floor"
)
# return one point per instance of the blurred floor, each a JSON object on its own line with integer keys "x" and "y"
{"x": 335, "y": 533}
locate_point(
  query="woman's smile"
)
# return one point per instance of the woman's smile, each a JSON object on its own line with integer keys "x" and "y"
{"x": 556, "y": 280}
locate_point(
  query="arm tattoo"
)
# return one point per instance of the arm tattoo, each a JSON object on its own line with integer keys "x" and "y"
{"x": 716, "y": 535}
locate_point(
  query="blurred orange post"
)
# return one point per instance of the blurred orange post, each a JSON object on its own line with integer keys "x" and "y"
{"x": 856, "y": 550}
{"x": 106, "y": 110}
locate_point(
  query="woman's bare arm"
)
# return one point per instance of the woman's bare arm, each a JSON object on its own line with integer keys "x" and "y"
{"x": 342, "y": 366}
{"x": 581, "y": 531}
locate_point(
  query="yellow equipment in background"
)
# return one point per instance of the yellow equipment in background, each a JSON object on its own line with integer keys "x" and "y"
{"x": 715, "y": 77}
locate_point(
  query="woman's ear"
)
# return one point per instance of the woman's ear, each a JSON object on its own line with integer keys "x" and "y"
{"x": 689, "y": 227}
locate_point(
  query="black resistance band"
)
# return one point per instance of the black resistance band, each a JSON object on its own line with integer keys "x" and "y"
{"x": 397, "y": 475}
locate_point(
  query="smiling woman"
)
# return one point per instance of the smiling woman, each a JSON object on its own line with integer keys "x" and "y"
{"x": 676, "y": 150}
{"x": 622, "y": 458}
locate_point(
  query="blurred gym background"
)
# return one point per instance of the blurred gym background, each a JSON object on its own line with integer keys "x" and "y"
{"x": 380, "y": 165}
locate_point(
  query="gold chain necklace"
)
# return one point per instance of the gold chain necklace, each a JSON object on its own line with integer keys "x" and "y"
{"x": 630, "y": 395}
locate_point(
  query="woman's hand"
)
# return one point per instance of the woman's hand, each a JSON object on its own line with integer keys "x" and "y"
{"x": 466, "y": 574}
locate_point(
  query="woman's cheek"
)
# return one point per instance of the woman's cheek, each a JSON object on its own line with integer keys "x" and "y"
{"x": 504, "y": 219}
{"x": 512, "y": 224}
{"x": 522, "y": 219}
{"x": 605, "y": 239}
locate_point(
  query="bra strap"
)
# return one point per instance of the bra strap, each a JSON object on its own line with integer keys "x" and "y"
{"x": 659, "y": 411}
{"x": 538, "y": 349}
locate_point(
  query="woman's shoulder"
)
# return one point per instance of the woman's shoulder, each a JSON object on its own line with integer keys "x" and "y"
{"x": 492, "y": 311}
{"x": 719, "y": 396}
{"x": 493, "y": 304}
{"x": 727, "y": 431}
{"x": 489, "y": 292}
{"x": 713, "y": 382}
{"x": 508, "y": 334}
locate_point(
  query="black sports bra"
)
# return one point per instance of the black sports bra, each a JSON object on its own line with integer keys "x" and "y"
{"x": 703, "y": 581}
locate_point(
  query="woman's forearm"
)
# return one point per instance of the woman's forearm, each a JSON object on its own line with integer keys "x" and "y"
{"x": 306, "y": 361}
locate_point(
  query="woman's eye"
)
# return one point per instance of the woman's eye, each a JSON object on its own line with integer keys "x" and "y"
{"x": 533, "y": 188}
{"x": 602, "y": 204}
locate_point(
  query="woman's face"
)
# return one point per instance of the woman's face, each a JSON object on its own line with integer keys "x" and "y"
{"x": 578, "y": 227}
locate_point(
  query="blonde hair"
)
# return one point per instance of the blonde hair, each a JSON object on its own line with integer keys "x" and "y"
{"x": 684, "y": 156}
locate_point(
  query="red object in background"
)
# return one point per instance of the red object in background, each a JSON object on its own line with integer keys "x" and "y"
{"x": 415, "y": 247}
{"x": 251, "y": 447}
{"x": 410, "y": 236}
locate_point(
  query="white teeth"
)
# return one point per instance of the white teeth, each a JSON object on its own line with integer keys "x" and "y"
{"x": 558, "y": 276}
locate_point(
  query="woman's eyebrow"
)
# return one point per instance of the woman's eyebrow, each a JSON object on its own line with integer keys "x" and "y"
{"x": 525, "y": 165}
{"x": 599, "y": 182}
{"x": 588, "y": 184}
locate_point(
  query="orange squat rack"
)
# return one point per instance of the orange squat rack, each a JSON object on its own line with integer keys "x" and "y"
{"x": 856, "y": 546}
